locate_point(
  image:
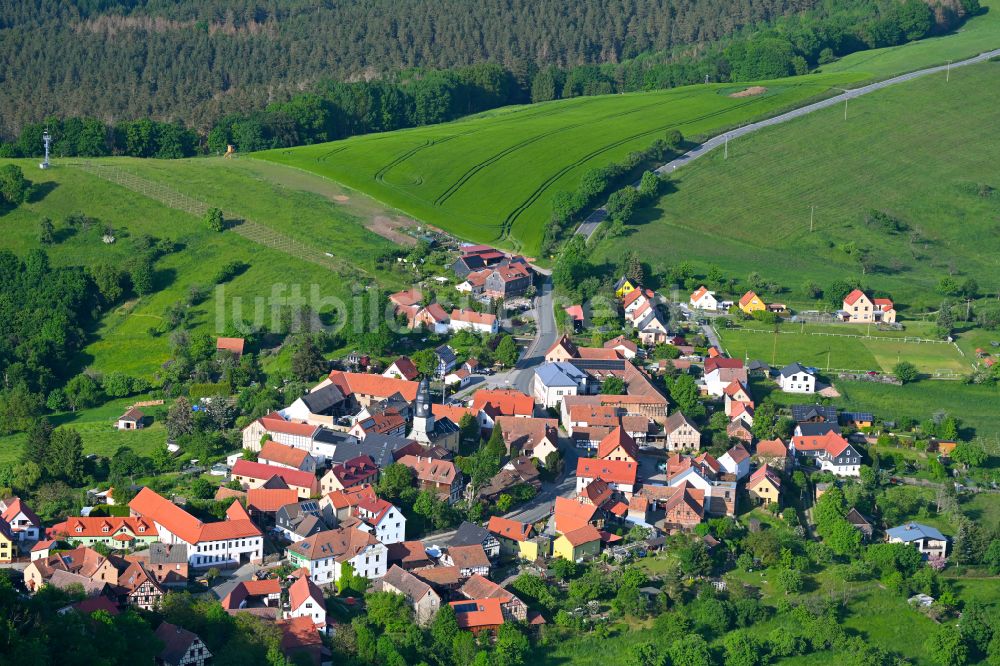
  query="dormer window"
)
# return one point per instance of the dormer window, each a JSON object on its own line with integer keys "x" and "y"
{"x": 104, "y": 529}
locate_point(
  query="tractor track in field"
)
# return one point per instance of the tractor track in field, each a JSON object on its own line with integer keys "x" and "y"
{"x": 489, "y": 161}
{"x": 508, "y": 222}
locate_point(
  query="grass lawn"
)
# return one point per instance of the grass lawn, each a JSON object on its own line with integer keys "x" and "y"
{"x": 752, "y": 212}
{"x": 834, "y": 352}
{"x": 97, "y": 432}
{"x": 491, "y": 177}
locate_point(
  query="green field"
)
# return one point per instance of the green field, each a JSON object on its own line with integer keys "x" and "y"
{"x": 491, "y": 177}
{"x": 911, "y": 150}
{"x": 838, "y": 352}
{"x": 979, "y": 34}
{"x": 121, "y": 341}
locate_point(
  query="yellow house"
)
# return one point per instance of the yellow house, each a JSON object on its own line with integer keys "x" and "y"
{"x": 516, "y": 540}
{"x": 751, "y": 303}
{"x": 578, "y": 544}
{"x": 624, "y": 286}
{"x": 6, "y": 542}
{"x": 764, "y": 485}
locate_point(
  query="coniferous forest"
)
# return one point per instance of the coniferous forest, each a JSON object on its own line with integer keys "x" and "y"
{"x": 160, "y": 78}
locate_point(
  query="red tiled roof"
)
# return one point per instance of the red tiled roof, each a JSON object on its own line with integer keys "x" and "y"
{"x": 343, "y": 499}
{"x": 468, "y": 557}
{"x": 473, "y": 317}
{"x": 374, "y": 385}
{"x": 408, "y": 297}
{"x": 282, "y": 453}
{"x": 355, "y": 471}
{"x": 773, "y": 448}
{"x": 701, "y": 291}
{"x": 621, "y": 341}
{"x": 831, "y": 442}
{"x": 406, "y": 368}
{"x": 510, "y": 529}
{"x": 430, "y": 469}
{"x": 133, "y": 414}
{"x": 506, "y": 402}
{"x": 478, "y": 613}
{"x": 302, "y": 590}
{"x": 765, "y": 472}
{"x": 274, "y": 422}
{"x": 582, "y": 535}
{"x": 738, "y": 453}
{"x": 612, "y": 471}
{"x": 713, "y": 364}
{"x": 176, "y": 520}
{"x": 269, "y": 500}
{"x": 632, "y": 296}
{"x": 436, "y": 312}
{"x": 853, "y": 297}
{"x": 453, "y": 413}
{"x": 618, "y": 437}
{"x": 236, "y": 511}
{"x": 747, "y": 297}
{"x": 256, "y": 470}
{"x": 234, "y": 345}
{"x": 571, "y": 514}
{"x": 95, "y": 526}
{"x": 883, "y": 304}
{"x": 575, "y": 312}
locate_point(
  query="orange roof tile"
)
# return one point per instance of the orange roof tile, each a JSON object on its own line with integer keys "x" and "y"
{"x": 612, "y": 471}
{"x": 582, "y": 535}
{"x": 478, "y": 613}
{"x": 510, "y": 529}
{"x": 506, "y": 402}
{"x": 282, "y": 453}
{"x": 374, "y": 385}
{"x": 618, "y": 438}
{"x": 269, "y": 500}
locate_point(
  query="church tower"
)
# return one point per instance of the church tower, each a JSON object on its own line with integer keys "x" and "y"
{"x": 423, "y": 420}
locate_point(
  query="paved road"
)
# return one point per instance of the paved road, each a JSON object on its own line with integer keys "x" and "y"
{"x": 589, "y": 226}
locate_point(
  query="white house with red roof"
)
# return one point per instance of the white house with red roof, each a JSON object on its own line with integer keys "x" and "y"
{"x": 736, "y": 461}
{"x": 703, "y": 299}
{"x": 830, "y": 451}
{"x": 252, "y": 474}
{"x": 25, "y": 525}
{"x": 470, "y": 320}
{"x": 621, "y": 475}
{"x": 885, "y": 310}
{"x": 720, "y": 372}
{"x": 281, "y": 455}
{"x": 323, "y": 554}
{"x": 231, "y": 542}
{"x": 305, "y": 599}
{"x": 383, "y": 519}
{"x": 279, "y": 429}
{"x": 488, "y": 404}
{"x": 858, "y": 308}
{"x": 402, "y": 368}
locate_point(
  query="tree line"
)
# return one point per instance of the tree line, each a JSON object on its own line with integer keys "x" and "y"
{"x": 235, "y": 85}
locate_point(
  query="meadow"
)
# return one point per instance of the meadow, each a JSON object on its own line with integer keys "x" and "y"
{"x": 491, "y": 177}
{"x": 121, "y": 340}
{"x": 979, "y": 34}
{"x": 918, "y": 151}
{"x": 838, "y": 352}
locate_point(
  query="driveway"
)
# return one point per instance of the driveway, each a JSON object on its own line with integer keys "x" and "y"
{"x": 230, "y": 578}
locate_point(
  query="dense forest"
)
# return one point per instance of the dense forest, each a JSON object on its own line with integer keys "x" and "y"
{"x": 266, "y": 73}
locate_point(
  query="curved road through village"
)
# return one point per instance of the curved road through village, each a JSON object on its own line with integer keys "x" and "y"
{"x": 589, "y": 226}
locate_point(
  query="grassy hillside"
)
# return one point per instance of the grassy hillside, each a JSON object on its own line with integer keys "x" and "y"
{"x": 918, "y": 151}
{"x": 981, "y": 33}
{"x": 122, "y": 341}
{"x": 491, "y": 177}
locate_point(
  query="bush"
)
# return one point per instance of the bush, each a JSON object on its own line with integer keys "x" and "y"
{"x": 230, "y": 270}
{"x": 906, "y": 372}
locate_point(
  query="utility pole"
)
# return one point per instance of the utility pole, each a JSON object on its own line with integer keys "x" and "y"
{"x": 947, "y": 76}
{"x": 812, "y": 214}
{"x": 846, "y": 97}
{"x": 726, "y": 156}
{"x": 706, "y": 78}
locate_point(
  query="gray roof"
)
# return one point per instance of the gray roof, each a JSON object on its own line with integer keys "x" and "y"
{"x": 376, "y": 446}
{"x": 809, "y": 412}
{"x": 560, "y": 374}
{"x": 331, "y": 436}
{"x": 675, "y": 421}
{"x": 794, "y": 369}
{"x": 446, "y": 354}
{"x": 323, "y": 399}
{"x": 63, "y": 579}
{"x": 412, "y": 587}
{"x": 913, "y": 531}
{"x": 161, "y": 553}
{"x": 817, "y": 429}
{"x": 470, "y": 534}
{"x": 855, "y": 517}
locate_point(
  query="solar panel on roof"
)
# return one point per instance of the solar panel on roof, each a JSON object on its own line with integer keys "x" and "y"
{"x": 469, "y": 607}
